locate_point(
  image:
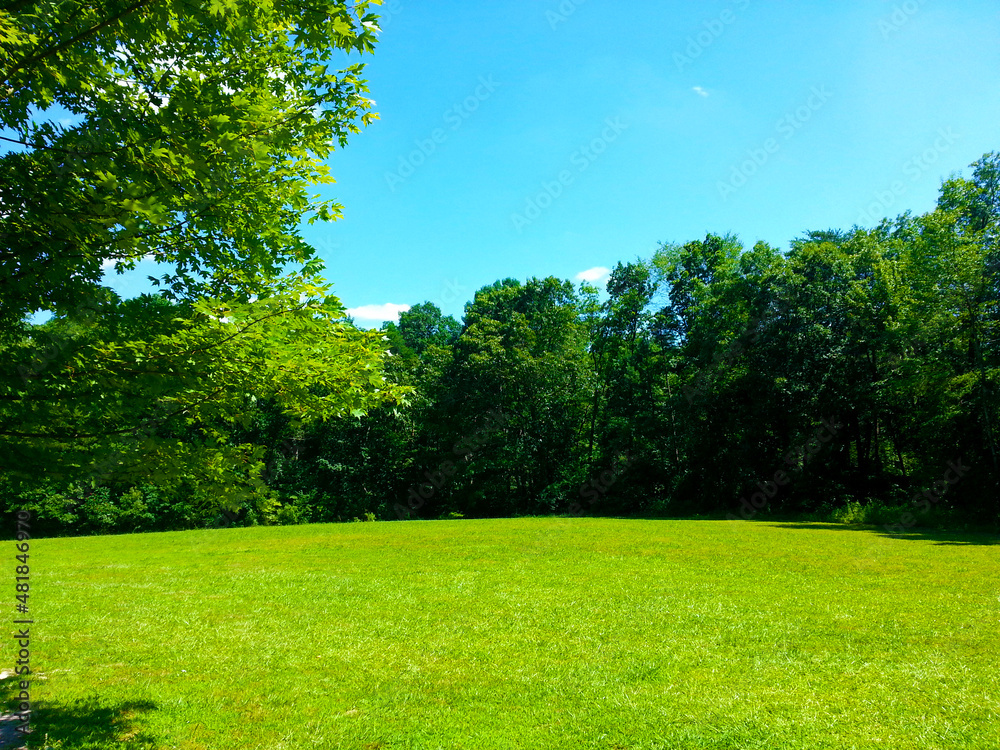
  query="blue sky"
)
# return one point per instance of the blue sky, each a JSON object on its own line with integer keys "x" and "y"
{"x": 537, "y": 137}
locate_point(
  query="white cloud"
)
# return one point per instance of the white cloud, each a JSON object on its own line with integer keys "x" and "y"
{"x": 699, "y": 91}
{"x": 388, "y": 311}
{"x": 593, "y": 274}
{"x": 110, "y": 262}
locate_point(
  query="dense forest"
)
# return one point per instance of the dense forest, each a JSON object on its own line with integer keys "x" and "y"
{"x": 854, "y": 377}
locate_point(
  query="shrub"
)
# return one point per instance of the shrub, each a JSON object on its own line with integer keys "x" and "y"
{"x": 289, "y": 515}
{"x": 852, "y": 512}
{"x": 99, "y": 511}
{"x": 134, "y": 509}
{"x": 52, "y": 511}
{"x": 896, "y": 516}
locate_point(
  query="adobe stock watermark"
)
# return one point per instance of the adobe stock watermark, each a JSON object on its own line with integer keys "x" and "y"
{"x": 899, "y": 17}
{"x": 922, "y": 501}
{"x": 914, "y": 168}
{"x": 23, "y": 622}
{"x": 713, "y": 29}
{"x": 582, "y": 158}
{"x": 785, "y": 128}
{"x": 451, "y": 292}
{"x": 795, "y": 458}
{"x": 454, "y": 117}
{"x": 562, "y": 13}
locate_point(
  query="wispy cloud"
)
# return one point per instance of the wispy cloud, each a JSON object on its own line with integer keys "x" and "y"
{"x": 593, "y": 274}
{"x": 388, "y": 311}
{"x": 699, "y": 91}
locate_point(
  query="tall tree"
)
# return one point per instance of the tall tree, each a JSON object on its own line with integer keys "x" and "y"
{"x": 195, "y": 131}
{"x": 975, "y": 206}
{"x": 517, "y": 397}
{"x": 626, "y": 419}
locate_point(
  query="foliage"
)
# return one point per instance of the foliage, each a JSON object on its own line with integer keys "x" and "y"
{"x": 424, "y": 325}
{"x": 853, "y": 377}
{"x": 189, "y": 134}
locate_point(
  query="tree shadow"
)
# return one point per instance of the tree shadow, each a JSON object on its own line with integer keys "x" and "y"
{"x": 954, "y": 537}
{"x": 915, "y": 533}
{"x": 84, "y": 724}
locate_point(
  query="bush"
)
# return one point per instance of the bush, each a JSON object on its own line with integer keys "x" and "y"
{"x": 288, "y": 515}
{"x": 52, "y": 511}
{"x": 894, "y": 516}
{"x": 98, "y": 511}
{"x": 851, "y": 513}
{"x": 134, "y": 509}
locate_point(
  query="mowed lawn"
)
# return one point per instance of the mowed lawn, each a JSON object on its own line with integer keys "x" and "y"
{"x": 522, "y": 633}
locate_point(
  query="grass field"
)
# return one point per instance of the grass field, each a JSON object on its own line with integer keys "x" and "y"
{"x": 522, "y": 633}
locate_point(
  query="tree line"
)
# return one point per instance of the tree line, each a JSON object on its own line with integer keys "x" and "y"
{"x": 853, "y": 376}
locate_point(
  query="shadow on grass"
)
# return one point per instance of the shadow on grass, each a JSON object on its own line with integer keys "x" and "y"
{"x": 86, "y": 724}
{"x": 956, "y": 537}
{"x": 938, "y": 536}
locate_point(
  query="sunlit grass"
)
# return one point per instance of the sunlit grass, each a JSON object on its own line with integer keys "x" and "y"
{"x": 523, "y": 633}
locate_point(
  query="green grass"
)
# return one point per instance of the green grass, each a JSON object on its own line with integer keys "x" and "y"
{"x": 523, "y": 633}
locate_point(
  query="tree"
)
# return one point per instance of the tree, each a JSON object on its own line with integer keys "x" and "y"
{"x": 150, "y": 388}
{"x": 626, "y": 417}
{"x": 423, "y": 325}
{"x": 515, "y": 403}
{"x": 975, "y": 206}
{"x": 195, "y": 131}
{"x": 706, "y": 326}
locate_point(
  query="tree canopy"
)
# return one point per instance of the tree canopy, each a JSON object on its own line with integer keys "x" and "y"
{"x": 192, "y": 134}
